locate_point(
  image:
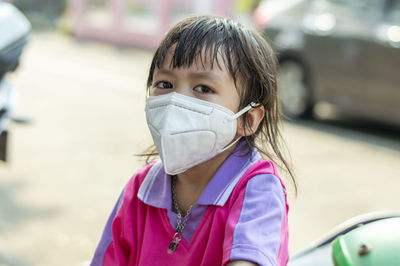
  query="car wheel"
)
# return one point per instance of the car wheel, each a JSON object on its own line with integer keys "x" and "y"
{"x": 294, "y": 92}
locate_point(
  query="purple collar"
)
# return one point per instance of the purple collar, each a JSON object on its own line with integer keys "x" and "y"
{"x": 156, "y": 187}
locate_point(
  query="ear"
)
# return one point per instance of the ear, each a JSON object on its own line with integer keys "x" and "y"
{"x": 254, "y": 116}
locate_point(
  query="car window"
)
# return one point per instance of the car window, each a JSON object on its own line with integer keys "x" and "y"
{"x": 352, "y": 3}
{"x": 355, "y": 6}
{"x": 392, "y": 10}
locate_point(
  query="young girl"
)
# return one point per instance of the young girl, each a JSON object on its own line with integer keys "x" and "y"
{"x": 211, "y": 199}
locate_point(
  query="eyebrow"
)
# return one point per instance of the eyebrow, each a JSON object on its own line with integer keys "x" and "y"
{"x": 197, "y": 74}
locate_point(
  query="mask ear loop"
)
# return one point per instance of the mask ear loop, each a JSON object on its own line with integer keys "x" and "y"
{"x": 255, "y": 105}
{"x": 238, "y": 114}
{"x": 230, "y": 145}
{"x": 244, "y": 110}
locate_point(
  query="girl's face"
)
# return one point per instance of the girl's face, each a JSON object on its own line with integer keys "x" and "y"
{"x": 199, "y": 81}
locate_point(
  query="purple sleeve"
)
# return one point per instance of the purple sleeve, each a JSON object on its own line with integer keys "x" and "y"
{"x": 106, "y": 238}
{"x": 257, "y": 234}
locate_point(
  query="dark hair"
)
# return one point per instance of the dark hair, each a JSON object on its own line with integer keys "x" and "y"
{"x": 250, "y": 61}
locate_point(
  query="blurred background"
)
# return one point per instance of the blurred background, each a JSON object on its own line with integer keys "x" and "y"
{"x": 72, "y": 97}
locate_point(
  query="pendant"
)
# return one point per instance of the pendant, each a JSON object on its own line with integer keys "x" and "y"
{"x": 174, "y": 244}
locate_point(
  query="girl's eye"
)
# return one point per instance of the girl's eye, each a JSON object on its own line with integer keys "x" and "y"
{"x": 164, "y": 85}
{"x": 203, "y": 89}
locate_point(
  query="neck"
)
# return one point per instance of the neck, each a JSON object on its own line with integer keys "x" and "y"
{"x": 191, "y": 183}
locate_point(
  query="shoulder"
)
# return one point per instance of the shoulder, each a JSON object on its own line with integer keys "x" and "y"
{"x": 262, "y": 179}
{"x": 134, "y": 183}
{"x": 266, "y": 184}
{"x": 261, "y": 166}
{"x": 262, "y": 193}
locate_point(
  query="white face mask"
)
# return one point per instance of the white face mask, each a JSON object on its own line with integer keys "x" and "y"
{"x": 187, "y": 131}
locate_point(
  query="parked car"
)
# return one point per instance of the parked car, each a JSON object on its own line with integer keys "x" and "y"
{"x": 14, "y": 33}
{"x": 343, "y": 52}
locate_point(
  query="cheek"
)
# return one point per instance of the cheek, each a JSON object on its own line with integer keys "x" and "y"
{"x": 151, "y": 92}
{"x": 231, "y": 100}
{"x": 158, "y": 91}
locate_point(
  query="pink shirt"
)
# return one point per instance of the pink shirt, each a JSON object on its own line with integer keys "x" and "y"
{"x": 241, "y": 216}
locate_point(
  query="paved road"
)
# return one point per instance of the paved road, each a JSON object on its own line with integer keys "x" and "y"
{"x": 69, "y": 165}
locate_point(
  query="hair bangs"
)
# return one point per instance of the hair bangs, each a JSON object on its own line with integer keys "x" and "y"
{"x": 203, "y": 42}
{"x": 203, "y": 50}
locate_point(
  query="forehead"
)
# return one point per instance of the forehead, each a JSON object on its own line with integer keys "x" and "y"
{"x": 203, "y": 59}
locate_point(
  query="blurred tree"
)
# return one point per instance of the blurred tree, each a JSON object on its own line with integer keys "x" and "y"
{"x": 43, "y": 14}
{"x": 246, "y": 5}
{"x": 45, "y": 7}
